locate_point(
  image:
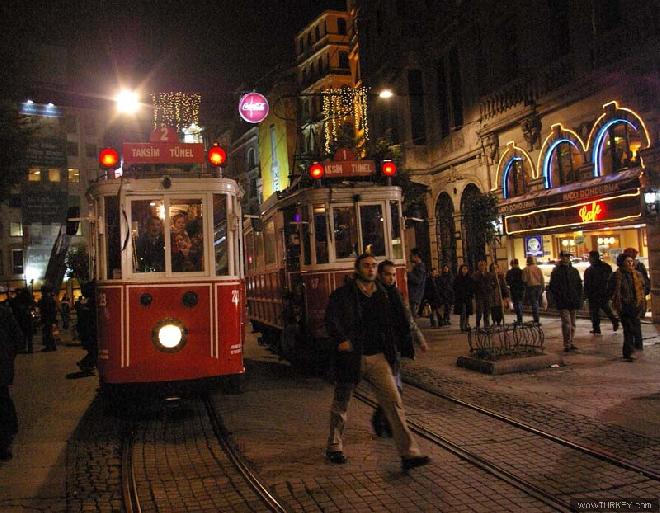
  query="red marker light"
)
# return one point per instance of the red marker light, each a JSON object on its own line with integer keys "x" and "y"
{"x": 388, "y": 168}
{"x": 316, "y": 170}
{"x": 109, "y": 158}
{"x": 216, "y": 155}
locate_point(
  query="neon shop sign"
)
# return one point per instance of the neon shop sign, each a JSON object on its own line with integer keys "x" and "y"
{"x": 591, "y": 213}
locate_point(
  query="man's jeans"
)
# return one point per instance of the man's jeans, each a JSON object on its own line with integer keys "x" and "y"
{"x": 534, "y": 297}
{"x": 567, "y": 326}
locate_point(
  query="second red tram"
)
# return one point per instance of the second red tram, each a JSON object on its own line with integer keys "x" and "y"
{"x": 169, "y": 274}
{"x": 303, "y": 246}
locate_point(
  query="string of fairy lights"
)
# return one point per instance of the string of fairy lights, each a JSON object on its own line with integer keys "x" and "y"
{"x": 176, "y": 109}
{"x": 340, "y": 105}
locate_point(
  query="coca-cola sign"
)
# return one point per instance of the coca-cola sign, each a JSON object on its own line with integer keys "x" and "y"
{"x": 253, "y": 107}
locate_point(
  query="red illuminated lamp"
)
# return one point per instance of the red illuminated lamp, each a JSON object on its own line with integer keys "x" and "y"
{"x": 216, "y": 155}
{"x": 316, "y": 171}
{"x": 109, "y": 158}
{"x": 388, "y": 168}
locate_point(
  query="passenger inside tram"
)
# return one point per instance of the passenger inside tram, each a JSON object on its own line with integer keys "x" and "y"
{"x": 150, "y": 247}
{"x": 187, "y": 239}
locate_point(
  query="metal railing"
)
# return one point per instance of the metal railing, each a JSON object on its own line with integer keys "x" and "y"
{"x": 506, "y": 340}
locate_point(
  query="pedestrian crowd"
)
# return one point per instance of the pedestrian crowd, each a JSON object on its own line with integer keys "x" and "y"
{"x": 20, "y": 317}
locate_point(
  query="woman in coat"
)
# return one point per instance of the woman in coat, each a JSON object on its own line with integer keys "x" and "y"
{"x": 500, "y": 293}
{"x": 463, "y": 296}
{"x": 627, "y": 288}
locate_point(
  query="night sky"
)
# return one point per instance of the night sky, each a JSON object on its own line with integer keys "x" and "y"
{"x": 213, "y": 47}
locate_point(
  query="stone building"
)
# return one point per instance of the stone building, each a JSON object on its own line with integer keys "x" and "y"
{"x": 550, "y": 105}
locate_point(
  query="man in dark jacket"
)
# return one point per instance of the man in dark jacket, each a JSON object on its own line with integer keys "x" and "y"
{"x": 21, "y": 306}
{"x": 416, "y": 281}
{"x": 11, "y": 340}
{"x": 359, "y": 323}
{"x": 444, "y": 284}
{"x": 596, "y": 279}
{"x": 87, "y": 328}
{"x": 514, "y": 279}
{"x": 483, "y": 293}
{"x": 566, "y": 289}
{"x": 48, "y": 310}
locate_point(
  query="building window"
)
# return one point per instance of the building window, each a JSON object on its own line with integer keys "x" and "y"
{"x": 90, "y": 151}
{"x": 456, "y": 87}
{"x": 17, "y": 261}
{"x": 317, "y": 33}
{"x": 251, "y": 161}
{"x": 343, "y": 60}
{"x": 621, "y": 144}
{"x": 309, "y": 39}
{"x": 417, "y": 115}
{"x": 54, "y": 175}
{"x": 443, "y": 94}
{"x": 71, "y": 124}
{"x": 73, "y": 175}
{"x": 564, "y": 164}
{"x": 15, "y": 229}
{"x": 72, "y": 148}
{"x": 341, "y": 26}
{"x": 34, "y": 174}
{"x": 516, "y": 184}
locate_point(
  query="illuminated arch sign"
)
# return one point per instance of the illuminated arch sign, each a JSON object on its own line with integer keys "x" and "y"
{"x": 623, "y": 207}
{"x": 253, "y": 107}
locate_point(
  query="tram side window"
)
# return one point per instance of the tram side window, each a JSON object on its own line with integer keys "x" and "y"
{"x": 220, "y": 235}
{"x": 259, "y": 244}
{"x": 186, "y": 235}
{"x": 250, "y": 261}
{"x": 113, "y": 237}
{"x": 373, "y": 229}
{"x": 269, "y": 241}
{"x": 346, "y": 241}
{"x": 320, "y": 234}
{"x": 397, "y": 247}
{"x": 306, "y": 235}
{"x": 147, "y": 235}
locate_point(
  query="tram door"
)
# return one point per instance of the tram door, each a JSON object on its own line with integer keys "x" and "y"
{"x": 294, "y": 224}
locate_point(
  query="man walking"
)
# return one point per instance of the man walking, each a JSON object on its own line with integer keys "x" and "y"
{"x": 534, "y": 284}
{"x": 627, "y": 287}
{"x": 596, "y": 280}
{"x": 566, "y": 289}
{"x": 359, "y": 322}
{"x": 483, "y": 293}
{"x": 416, "y": 281}
{"x": 514, "y": 279}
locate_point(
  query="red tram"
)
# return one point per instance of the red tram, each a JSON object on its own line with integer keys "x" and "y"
{"x": 303, "y": 246}
{"x": 169, "y": 274}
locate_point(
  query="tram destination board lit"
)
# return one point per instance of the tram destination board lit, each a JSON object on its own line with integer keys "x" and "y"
{"x": 347, "y": 168}
{"x": 163, "y": 153}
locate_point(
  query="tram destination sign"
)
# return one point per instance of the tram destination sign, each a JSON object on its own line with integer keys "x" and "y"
{"x": 348, "y": 168}
{"x": 163, "y": 153}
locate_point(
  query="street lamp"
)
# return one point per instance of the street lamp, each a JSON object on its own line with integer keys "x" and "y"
{"x": 127, "y": 102}
{"x": 385, "y": 94}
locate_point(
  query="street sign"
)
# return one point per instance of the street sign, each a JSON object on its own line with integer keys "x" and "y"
{"x": 348, "y": 168}
{"x": 253, "y": 107}
{"x": 163, "y": 153}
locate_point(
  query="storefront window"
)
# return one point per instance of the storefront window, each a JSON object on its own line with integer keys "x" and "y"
{"x": 620, "y": 148}
{"x": 320, "y": 234}
{"x": 186, "y": 235}
{"x": 147, "y": 234}
{"x": 373, "y": 229}
{"x": 345, "y": 231}
{"x": 220, "y": 235}
{"x": 397, "y": 247}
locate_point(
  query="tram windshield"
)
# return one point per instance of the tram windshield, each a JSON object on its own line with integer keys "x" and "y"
{"x": 186, "y": 235}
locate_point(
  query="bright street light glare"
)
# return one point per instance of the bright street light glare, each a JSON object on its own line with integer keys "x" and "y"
{"x": 127, "y": 102}
{"x": 386, "y": 94}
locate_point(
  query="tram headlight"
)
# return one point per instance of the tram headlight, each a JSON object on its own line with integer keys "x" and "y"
{"x": 169, "y": 335}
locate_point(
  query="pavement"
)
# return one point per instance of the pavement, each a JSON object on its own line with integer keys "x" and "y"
{"x": 280, "y": 423}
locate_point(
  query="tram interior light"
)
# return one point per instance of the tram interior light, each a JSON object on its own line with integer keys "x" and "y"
{"x": 170, "y": 336}
{"x": 316, "y": 171}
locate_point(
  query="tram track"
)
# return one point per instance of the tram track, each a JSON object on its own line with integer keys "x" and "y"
{"x": 479, "y": 462}
{"x": 590, "y": 451}
{"x": 151, "y": 473}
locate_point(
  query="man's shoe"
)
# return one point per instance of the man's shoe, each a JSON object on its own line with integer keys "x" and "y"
{"x": 573, "y": 348}
{"x": 615, "y": 325}
{"x": 336, "y": 457}
{"x": 595, "y": 332}
{"x": 414, "y": 461}
{"x": 567, "y": 350}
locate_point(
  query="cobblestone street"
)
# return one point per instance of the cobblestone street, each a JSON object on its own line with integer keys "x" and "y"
{"x": 67, "y": 456}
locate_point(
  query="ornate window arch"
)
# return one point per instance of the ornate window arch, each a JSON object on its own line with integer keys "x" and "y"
{"x": 515, "y": 169}
{"x": 561, "y": 155}
{"x": 629, "y": 133}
